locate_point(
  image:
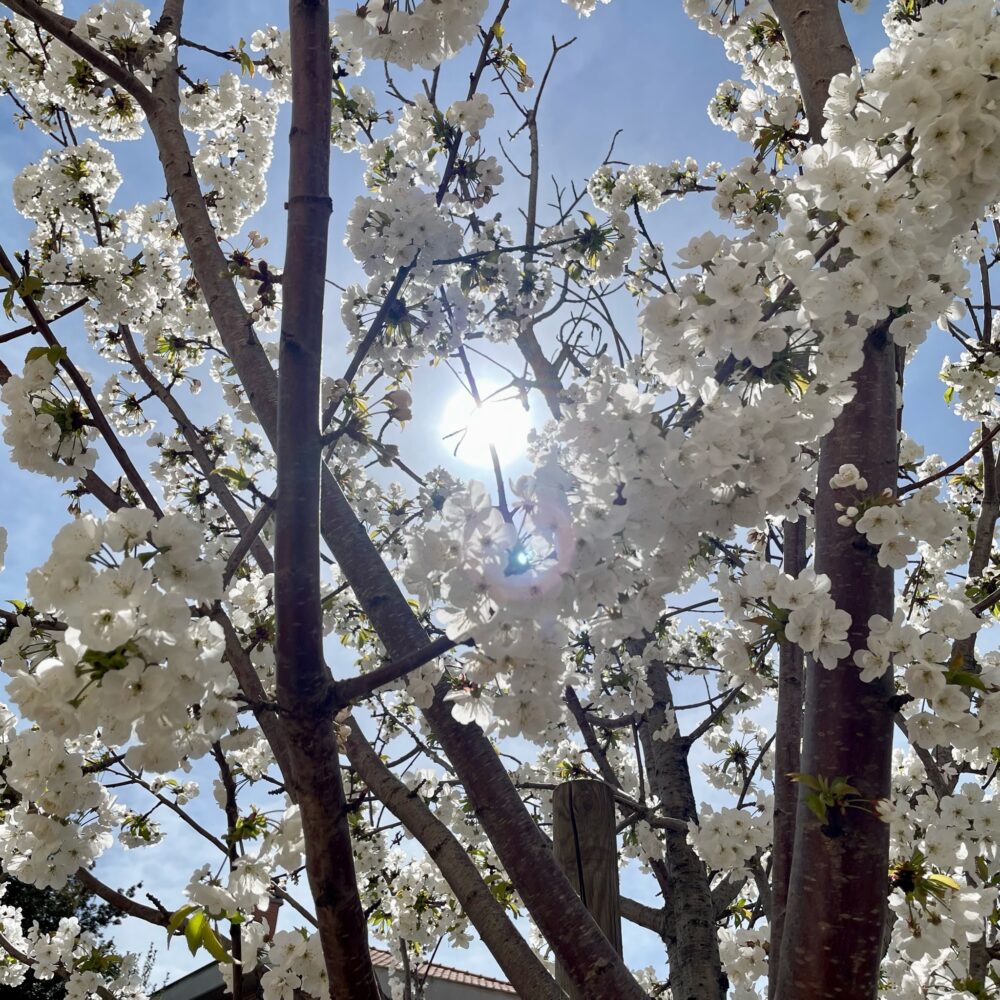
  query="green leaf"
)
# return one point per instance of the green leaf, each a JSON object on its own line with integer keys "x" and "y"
{"x": 214, "y": 946}
{"x": 806, "y": 779}
{"x": 840, "y": 789}
{"x": 244, "y": 59}
{"x": 178, "y": 918}
{"x": 31, "y": 285}
{"x": 945, "y": 880}
{"x": 590, "y": 220}
{"x": 194, "y": 930}
{"x": 817, "y": 806}
{"x": 963, "y": 678}
{"x": 948, "y": 393}
{"x": 238, "y": 477}
{"x": 55, "y": 354}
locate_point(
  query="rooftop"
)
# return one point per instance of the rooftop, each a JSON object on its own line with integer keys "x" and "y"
{"x": 206, "y": 983}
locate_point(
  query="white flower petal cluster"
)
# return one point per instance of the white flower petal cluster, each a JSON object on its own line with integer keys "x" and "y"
{"x": 68, "y": 185}
{"x": 426, "y": 35}
{"x": 470, "y": 116}
{"x": 400, "y": 227}
{"x": 275, "y": 46}
{"x": 898, "y": 644}
{"x": 647, "y": 185}
{"x": 294, "y": 962}
{"x": 811, "y": 620}
{"x": 600, "y": 252}
{"x": 48, "y": 76}
{"x": 727, "y": 838}
{"x": 42, "y": 841}
{"x": 896, "y": 528}
{"x": 744, "y": 954}
{"x": 231, "y": 162}
{"x": 585, "y": 7}
{"x": 44, "y": 426}
{"x": 848, "y": 476}
{"x": 132, "y": 660}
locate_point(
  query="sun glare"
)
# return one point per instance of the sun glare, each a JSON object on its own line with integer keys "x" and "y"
{"x": 468, "y": 430}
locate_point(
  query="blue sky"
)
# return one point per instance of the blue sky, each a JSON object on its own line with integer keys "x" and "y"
{"x": 639, "y": 66}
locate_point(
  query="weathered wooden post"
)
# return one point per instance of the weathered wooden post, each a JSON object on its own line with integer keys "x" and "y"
{"x": 586, "y": 849}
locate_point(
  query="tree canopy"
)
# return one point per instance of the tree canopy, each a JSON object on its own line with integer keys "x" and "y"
{"x": 726, "y": 581}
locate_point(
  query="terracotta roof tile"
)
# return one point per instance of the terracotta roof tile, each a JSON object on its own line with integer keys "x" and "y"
{"x": 385, "y": 960}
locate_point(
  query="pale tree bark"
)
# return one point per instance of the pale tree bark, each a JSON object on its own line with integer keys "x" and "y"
{"x": 691, "y": 933}
{"x": 818, "y": 45}
{"x": 834, "y": 922}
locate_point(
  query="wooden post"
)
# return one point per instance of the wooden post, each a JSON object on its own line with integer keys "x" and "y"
{"x": 586, "y": 849}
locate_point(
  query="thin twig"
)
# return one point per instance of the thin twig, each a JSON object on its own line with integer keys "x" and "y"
{"x": 948, "y": 469}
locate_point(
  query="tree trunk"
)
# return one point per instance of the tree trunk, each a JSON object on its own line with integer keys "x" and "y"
{"x": 819, "y": 49}
{"x": 692, "y": 937}
{"x": 832, "y": 944}
{"x": 835, "y": 917}
{"x": 303, "y": 678}
{"x": 787, "y": 759}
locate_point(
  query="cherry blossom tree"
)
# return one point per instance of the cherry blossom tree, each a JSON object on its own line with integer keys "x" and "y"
{"x": 260, "y": 588}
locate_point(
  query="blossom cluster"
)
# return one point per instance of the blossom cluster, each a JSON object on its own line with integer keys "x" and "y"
{"x": 895, "y": 528}
{"x": 799, "y": 609}
{"x": 45, "y": 427}
{"x": 727, "y": 838}
{"x": 425, "y": 36}
{"x": 660, "y": 467}
{"x": 130, "y": 660}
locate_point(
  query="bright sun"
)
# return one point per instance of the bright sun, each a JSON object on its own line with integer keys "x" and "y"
{"x": 501, "y": 421}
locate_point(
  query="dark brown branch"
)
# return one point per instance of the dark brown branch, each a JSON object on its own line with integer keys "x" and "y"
{"x": 33, "y": 327}
{"x": 525, "y": 972}
{"x": 787, "y": 753}
{"x": 248, "y": 539}
{"x": 949, "y": 469}
{"x": 303, "y": 679}
{"x": 107, "y": 432}
{"x": 354, "y": 688}
{"x": 120, "y": 901}
{"x": 200, "y": 454}
{"x": 374, "y": 332}
{"x": 716, "y": 714}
